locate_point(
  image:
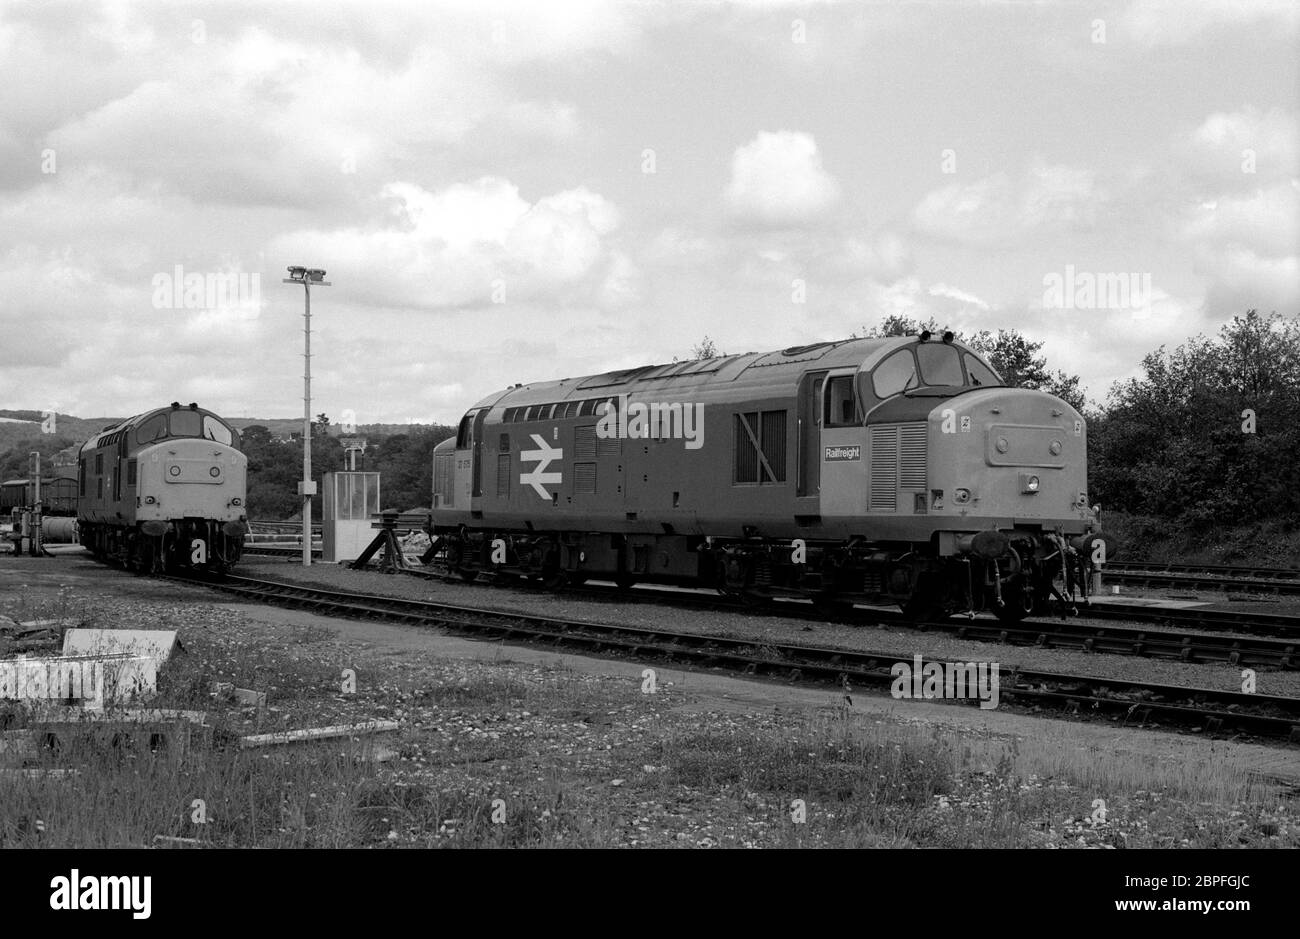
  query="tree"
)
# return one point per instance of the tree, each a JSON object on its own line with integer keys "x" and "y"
{"x": 321, "y": 426}
{"x": 705, "y": 349}
{"x": 15, "y": 461}
{"x": 1206, "y": 435}
{"x": 896, "y": 325}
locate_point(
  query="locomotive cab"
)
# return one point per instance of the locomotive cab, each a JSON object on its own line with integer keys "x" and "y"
{"x": 164, "y": 489}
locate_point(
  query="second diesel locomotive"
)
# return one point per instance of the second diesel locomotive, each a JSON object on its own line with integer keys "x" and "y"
{"x": 899, "y": 470}
{"x": 164, "y": 490}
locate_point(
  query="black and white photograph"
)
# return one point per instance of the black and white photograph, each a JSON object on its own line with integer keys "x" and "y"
{"x": 843, "y": 428}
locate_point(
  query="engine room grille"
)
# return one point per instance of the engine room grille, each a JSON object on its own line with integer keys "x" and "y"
{"x": 584, "y": 442}
{"x": 503, "y": 475}
{"x": 584, "y": 477}
{"x": 884, "y": 468}
{"x": 911, "y": 450}
{"x": 898, "y": 456}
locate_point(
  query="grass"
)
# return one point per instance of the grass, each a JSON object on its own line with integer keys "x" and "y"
{"x": 503, "y": 754}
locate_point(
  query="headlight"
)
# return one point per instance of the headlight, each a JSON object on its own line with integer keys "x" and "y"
{"x": 1028, "y": 482}
{"x": 214, "y": 472}
{"x": 174, "y": 470}
{"x": 149, "y": 500}
{"x": 236, "y": 501}
{"x": 961, "y": 496}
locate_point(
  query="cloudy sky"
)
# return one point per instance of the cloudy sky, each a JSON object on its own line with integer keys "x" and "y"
{"x": 525, "y": 191}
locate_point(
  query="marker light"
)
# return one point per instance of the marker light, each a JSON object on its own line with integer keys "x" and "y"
{"x": 1028, "y": 482}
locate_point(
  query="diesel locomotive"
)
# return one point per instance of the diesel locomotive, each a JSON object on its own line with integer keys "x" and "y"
{"x": 164, "y": 490}
{"x": 899, "y": 470}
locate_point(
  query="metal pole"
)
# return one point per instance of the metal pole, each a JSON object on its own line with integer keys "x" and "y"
{"x": 36, "y": 504}
{"x": 306, "y": 433}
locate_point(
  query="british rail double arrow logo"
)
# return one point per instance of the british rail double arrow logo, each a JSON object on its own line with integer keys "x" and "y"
{"x": 538, "y": 478}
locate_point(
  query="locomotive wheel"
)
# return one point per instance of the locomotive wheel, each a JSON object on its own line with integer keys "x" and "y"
{"x": 1018, "y": 601}
{"x": 832, "y": 606}
{"x": 928, "y": 599}
{"x": 456, "y": 557}
{"x": 740, "y": 595}
{"x": 920, "y": 608}
{"x": 733, "y": 572}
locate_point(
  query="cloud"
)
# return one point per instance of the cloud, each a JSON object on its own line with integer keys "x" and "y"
{"x": 472, "y": 243}
{"x": 1176, "y": 22}
{"x": 777, "y": 179}
{"x": 1266, "y": 221}
{"x": 1000, "y": 211}
{"x": 961, "y": 296}
{"x": 1216, "y": 150}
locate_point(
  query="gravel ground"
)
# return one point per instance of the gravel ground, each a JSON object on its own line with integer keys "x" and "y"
{"x": 904, "y": 642}
{"x": 576, "y": 758}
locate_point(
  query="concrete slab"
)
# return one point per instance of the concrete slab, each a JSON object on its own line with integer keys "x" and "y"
{"x": 158, "y": 644}
{"x": 1159, "y": 603}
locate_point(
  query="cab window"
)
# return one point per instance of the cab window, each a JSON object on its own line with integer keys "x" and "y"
{"x": 841, "y": 409}
{"x": 980, "y": 374}
{"x": 896, "y": 373}
{"x": 152, "y": 429}
{"x": 940, "y": 364}
{"x": 462, "y": 433}
{"x": 186, "y": 423}
{"x": 213, "y": 429}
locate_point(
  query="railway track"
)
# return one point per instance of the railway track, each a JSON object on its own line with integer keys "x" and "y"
{"x": 1265, "y": 651}
{"x": 1140, "y": 703}
{"x": 1192, "y": 578}
{"x": 280, "y": 550}
{"x": 1072, "y": 634}
{"x": 1217, "y": 570}
{"x": 1264, "y": 624}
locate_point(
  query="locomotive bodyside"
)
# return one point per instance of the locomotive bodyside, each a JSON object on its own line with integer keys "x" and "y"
{"x": 164, "y": 489}
{"x": 895, "y": 469}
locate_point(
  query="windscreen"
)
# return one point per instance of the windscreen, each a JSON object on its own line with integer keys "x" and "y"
{"x": 186, "y": 423}
{"x": 940, "y": 364}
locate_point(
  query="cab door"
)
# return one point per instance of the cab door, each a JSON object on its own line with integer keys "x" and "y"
{"x": 842, "y": 451}
{"x": 810, "y": 434}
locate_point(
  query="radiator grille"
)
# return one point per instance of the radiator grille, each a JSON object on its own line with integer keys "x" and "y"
{"x": 584, "y": 477}
{"x": 884, "y": 468}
